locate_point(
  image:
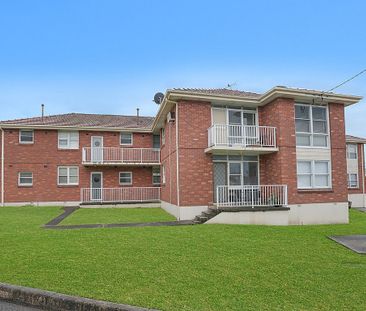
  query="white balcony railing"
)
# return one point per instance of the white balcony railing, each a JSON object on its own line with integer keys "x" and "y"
{"x": 120, "y": 195}
{"x": 251, "y": 196}
{"x": 242, "y": 136}
{"x": 115, "y": 155}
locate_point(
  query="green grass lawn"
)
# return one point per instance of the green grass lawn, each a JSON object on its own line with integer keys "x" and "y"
{"x": 116, "y": 215}
{"x": 203, "y": 267}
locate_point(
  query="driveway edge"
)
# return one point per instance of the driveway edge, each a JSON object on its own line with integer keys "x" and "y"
{"x": 52, "y": 301}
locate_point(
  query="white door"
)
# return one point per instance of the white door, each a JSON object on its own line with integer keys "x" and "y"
{"x": 96, "y": 185}
{"x": 97, "y": 149}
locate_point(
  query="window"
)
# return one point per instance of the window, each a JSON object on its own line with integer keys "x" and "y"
{"x": 26, "y": 136}
{"x": 163, "y": 174}
{"x": 68, "y": 140}
{"x": 25, "y": 179}
{"x": 126, "y": 139}
{"x": 156, "y": 175}
{"x": 313, "y": 174}
{"x": 311, "y": 126}
{"x": 352, "y": 180}
{"x": 163, "y": 136}
{"x": 156, "y": 141}
{"x": 125, "y": 178}
{"x": 68, "y": 175}
{"x": 351, "y": 151}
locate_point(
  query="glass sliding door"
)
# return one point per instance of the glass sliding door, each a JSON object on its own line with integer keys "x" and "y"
{"x": 242, "y": 130}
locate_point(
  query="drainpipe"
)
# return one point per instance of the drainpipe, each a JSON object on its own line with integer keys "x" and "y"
{"x": 2, "y": 167}
{"x": 177, "y": 149}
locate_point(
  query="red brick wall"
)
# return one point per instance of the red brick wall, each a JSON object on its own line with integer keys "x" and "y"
{"x": 43, "y": 157}
{"x": 195, "y": 166}
{"x": 280, "y": 167}
{"x": 360, "y": 160}
{"x": 169, "y": 160}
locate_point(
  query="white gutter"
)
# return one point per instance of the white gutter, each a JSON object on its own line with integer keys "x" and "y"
{"x": 2, "y": 167}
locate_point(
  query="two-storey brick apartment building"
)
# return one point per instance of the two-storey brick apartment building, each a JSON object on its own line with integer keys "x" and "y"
{"x": 281, "y": 153}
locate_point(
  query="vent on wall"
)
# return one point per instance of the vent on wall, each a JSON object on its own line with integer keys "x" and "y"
{"x": 171, "y": 117}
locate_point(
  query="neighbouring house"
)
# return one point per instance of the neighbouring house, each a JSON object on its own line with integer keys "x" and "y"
{"x": 272, "y": 158}
{"x": 356, "y": 170}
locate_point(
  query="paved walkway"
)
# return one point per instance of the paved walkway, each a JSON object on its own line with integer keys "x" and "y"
{"x": 5, "y": 306}
{"x": 54, "y": 223}
{"x": 357, "y": 243}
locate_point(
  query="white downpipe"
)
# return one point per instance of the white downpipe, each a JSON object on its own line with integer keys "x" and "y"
{"x": 363, "y": 173}
{"x": 2, "y": 167}
{"x": 177, "y": 150}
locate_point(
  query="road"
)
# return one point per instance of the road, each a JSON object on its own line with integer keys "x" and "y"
{"x": 5, "y": 306}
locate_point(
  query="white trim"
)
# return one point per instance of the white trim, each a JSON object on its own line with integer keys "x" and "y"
{"x": 26, "y": 184}
{"x": 68, "y": 147}
{"x": 348, "y": 152}
{"x": 177, "y": 151}
{"x": 120, "y": 139}
{"x": 26, "y": 142}
{"x": 123, "y": 183}
{"x": 68, "y": 175}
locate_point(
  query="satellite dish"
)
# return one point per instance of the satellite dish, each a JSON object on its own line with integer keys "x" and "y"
{"x": 158, "y": 98}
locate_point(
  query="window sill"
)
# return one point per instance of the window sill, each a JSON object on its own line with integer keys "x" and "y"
{"x": 67, "y": 186}
{"x": 315, "y": 190}
{"x": 26, "y": 144}
{"x": 68, "y": 149}
{"x": 25, "y": 186}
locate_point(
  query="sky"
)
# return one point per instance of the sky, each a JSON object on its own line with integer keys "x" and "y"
{"x": 112, "y": 56}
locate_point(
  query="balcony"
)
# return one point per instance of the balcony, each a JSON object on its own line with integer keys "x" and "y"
{"x": 252, "y": 139}
{"x": 251, "y": 196}
{"x": 120, "y": 156}
{"x": 120, "y": 195}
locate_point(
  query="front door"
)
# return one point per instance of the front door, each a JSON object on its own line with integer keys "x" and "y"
{"x": 96, "y": 185}
{"x": 97, "y": 149}
{"x": 220, "y": 176}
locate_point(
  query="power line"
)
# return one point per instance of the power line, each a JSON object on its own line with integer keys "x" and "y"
{"x": 348, "y": 80}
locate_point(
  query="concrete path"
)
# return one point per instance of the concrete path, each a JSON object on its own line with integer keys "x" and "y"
{"x": 357, "y": 243}
{"x": 5, "y": 306}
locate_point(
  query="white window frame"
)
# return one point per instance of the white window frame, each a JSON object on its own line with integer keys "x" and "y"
{"x": 350, "y": 186}
{"x": 163, "y": 178}
{"x": 313, "y": 174}
{"x": 68, "y": 138}
{"x": 154, "y": 174}
{"x": 25, "y": 184}
{"x": 126, "y": 183}
{"x": 68, "y": 183}
{"x": 311, "y": 133}
{"x": 163, "y": 136}
{"x": 26, "y": 142}
{"x": 349, "y": 153}
{"x": 120, "y": 138}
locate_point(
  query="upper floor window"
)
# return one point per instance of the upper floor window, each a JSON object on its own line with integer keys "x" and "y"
{"x": 313, "y": 174}
{"x": 351, "y": 151}
{"x": 163, "y": 136}
{"x": 26, "y": 136}
{"x": 68, "y": 140}
{"x": 156, "y": 141}
{"x": 126, "y": 139}
{"x": 25, "y": 179}
{"x": 311, "y": 126}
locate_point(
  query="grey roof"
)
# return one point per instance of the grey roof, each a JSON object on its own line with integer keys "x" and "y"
{"x": 85, "y": 120}
{"x": 355, "y": 139}
{"x": 219, "y": 91}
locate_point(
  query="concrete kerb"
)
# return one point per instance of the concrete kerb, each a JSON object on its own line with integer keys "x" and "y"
{"x": 52, "y": 301}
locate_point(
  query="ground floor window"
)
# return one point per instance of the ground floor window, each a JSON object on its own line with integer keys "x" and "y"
{"x": 156, "y": 175}
{"x": 352, "y": 180}
{"x": 313, "y": 174}
{"x": 68, "y": 175}
{"x": 125, "y": 178}
{"x": 25, "y": 179}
